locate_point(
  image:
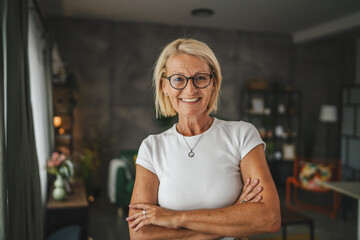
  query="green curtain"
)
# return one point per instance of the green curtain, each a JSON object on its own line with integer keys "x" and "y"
{"x": 3, "y": 206}
{"x": 25, "y": 210}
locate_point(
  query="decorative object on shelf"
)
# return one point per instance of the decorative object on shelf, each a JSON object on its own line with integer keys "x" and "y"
{"x": 279, "y": 131}
{"x": 63, "y": 168}
{"x": 257, "y": 106}
{"x": 277, "y": 155}
{"x": 281, "y": 108}
{"x": 289, "y": 152}
{"x": 267, "y": 111}
{"x": 256, "y": 83}
{"x": 58, "y": 192}
{"x": 262, "y": 132}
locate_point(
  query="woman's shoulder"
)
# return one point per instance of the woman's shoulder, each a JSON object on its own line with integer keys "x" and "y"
{"x": 235, "y": 124}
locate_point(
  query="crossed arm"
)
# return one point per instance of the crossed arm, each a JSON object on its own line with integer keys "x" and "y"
{"x": 237, "y": 220}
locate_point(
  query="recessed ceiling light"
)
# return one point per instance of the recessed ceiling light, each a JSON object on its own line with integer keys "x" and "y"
{"x": 202, "y": 12}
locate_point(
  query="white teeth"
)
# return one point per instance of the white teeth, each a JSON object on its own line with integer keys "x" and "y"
{"x": 189, "y": 99}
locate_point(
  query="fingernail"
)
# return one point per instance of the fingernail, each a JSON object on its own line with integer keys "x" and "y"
{"x": 248, "y": 180}
{"x": 256, "y": 181}
{"x": 259, "y": 188}
{"x": 259, "y": 197}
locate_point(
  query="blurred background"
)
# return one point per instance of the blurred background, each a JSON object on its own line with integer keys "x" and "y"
{"x": 292, "y": 68}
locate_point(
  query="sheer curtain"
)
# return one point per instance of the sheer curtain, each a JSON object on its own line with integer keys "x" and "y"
{"x": 39, "y": 96}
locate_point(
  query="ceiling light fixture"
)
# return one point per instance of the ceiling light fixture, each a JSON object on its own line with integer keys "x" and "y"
{"x": 202, "y": 12}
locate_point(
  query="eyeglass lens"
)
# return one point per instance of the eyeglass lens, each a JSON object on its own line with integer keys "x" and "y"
{"x": 180, "y": 81}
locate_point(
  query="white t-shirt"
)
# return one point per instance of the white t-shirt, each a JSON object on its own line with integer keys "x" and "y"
{"x": 212, "y": 178}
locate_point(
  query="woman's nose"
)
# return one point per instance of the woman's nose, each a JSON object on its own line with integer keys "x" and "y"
{"x": 190, "y": 87}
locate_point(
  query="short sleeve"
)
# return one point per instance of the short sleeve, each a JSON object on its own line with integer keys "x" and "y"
{"x": 144, "y": 157}
{"x": 249, "y": 138}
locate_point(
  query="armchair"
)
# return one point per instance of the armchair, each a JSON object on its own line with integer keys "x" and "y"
{"x": 122, "y": 179}
{"x": 307, "y": 175}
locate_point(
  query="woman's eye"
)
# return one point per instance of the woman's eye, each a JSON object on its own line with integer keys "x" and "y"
{"x": 201, "y": 78}
{"x": 178, "y": 79}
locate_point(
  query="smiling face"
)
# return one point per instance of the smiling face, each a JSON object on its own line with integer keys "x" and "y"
{"x": 190, "y": 101}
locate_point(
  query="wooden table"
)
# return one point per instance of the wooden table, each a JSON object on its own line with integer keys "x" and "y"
{"x": 292, "y": 217}
{"x": 351, "y": 189}
{"x": 73, "y": 210}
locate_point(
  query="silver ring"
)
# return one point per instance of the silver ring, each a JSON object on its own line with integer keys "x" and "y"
{"x": 144, "y": 212}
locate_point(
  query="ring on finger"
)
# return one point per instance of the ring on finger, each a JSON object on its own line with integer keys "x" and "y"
{"x": 144, "y": 212}
{"x": 243, "y": 201}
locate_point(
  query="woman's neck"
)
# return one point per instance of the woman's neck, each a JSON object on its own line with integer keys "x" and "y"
{"x": 193, "y": 126}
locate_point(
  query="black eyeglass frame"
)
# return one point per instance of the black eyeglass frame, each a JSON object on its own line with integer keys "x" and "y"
{"x": 187, "y": 80}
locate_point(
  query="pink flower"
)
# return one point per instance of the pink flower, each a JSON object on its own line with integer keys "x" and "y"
{"x": 54, "y": 155}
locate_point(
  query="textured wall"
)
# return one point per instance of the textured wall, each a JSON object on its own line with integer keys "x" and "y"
{"x": 115, "y": 59}
{"x": 320, "y": 69}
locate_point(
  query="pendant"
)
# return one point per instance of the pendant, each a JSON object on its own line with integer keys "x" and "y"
{"x": 191, "y": 154}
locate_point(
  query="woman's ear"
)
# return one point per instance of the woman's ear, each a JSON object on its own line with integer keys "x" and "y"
{"x": 163, "y": 85}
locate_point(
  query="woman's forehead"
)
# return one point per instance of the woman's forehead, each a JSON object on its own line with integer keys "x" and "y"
{"x": 185, "y": 62}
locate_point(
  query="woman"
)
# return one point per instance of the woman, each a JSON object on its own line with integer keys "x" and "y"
{"x": 189, "y": 178}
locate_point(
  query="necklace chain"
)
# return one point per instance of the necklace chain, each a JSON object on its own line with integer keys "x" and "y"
{"x": 191, "y": 153}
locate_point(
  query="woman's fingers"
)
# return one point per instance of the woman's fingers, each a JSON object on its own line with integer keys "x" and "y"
{"x": 139, "y": 206}
{"x": 140, "y": 225}
{"x": 257, "y": 199}
{"x": 137, "y": 221}
{"x": 253, "y": 195}
{"x": 134, "y": 216}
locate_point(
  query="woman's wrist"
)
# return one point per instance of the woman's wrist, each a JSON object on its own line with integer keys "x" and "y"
{"x": 180, "y": 219}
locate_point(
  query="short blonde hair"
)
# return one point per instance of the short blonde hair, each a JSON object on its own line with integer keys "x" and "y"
{"x": 191, "y": 47}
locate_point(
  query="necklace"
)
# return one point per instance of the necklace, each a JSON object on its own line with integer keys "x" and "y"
{"x": 191, "y": 153}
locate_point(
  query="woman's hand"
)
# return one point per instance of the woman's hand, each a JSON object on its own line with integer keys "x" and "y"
{"x": 152, "y": 214}
{"x": 250, "y": 192}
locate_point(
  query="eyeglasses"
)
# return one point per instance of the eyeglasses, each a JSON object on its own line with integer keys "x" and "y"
{"x": 179, "y": 82}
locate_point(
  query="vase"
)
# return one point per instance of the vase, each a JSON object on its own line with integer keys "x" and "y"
{"x": 58, "y": 193}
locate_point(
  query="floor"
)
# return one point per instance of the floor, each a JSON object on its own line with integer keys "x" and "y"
{"x": 104, "y": 224}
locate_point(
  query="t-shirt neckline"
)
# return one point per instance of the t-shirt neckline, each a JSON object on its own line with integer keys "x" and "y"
{"x": 208, "y": 130}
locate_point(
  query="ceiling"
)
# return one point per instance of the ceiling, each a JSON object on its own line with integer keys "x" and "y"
{"x": 305, "y": 19}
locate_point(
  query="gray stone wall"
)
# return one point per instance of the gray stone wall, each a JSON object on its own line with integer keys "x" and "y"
{"x": 114, "y": 61}
{"x": 319, "y": 70}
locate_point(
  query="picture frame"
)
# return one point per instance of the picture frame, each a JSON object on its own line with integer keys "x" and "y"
{"x": 257, "y": 105}
{"x": 289, "y": 152}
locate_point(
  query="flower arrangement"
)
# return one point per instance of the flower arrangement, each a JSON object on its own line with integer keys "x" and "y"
{"x": 58, "y": 164}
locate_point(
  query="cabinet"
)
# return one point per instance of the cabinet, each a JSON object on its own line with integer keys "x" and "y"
{"x": 72, "y": 211}
{"x": 277, "y": 116}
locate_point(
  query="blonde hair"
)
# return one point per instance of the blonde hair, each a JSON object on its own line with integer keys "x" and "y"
{"x": 192, "y": 47}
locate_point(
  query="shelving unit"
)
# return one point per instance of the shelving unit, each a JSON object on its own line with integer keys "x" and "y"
{"x": 277, "y": 116}
{"x": 64, "y": 102}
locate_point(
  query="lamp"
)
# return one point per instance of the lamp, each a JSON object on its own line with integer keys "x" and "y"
{"x": 328, "y": 115}
{"x": 57, "y": 121}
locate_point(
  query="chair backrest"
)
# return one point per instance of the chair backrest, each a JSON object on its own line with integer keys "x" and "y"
{"x": 336, "y": 169}
{"x": 129, "y": 154}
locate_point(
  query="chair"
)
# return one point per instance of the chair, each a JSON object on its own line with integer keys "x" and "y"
{"x": 298, "y": 185}
{"x": 121, "y": 179}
